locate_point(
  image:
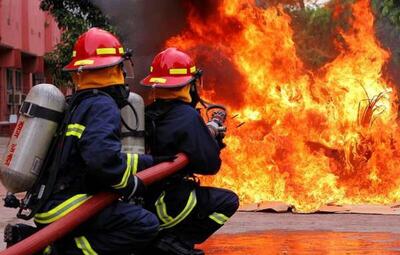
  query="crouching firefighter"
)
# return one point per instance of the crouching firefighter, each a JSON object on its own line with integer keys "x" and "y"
{"x": 188, "y": 212}
{"x": 88, "y": 157}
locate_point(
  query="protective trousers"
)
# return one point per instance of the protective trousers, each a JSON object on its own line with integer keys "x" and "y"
{"x": 193, "y": 213}
{"x": 120, "y": 229}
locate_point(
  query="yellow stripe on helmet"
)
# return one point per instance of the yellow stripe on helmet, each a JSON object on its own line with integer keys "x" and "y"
{"x": 84, "y": 62}
{"x": 106, "y": 51}
{"x": 158, "y": 80}
{"x": 178, "y": 71}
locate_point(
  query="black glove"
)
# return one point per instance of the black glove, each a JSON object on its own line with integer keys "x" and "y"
{"x": 138, "y": 189}
{"x": 160, "y": 159}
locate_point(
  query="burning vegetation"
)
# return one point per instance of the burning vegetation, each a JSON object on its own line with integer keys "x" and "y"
{"x": 311, "y": 136}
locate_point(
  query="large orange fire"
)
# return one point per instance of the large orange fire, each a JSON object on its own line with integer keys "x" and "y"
{"x": 309, "y": 138}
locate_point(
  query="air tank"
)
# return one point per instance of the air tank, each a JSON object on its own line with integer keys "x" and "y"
{"x": 133, "y": 138}
{"x": 39, "y": 118}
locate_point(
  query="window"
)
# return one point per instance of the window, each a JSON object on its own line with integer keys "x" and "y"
{"x": 10, "y": 80}
{"x": 14, "y": 90}
{"x": 18, "y": 81}
{"x": 37, "y": 78}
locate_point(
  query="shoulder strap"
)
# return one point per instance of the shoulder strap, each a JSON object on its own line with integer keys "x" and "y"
{"x": 40, "y": 192}
{"x": 33, "y": 110}
{"x": 154, "y": 113}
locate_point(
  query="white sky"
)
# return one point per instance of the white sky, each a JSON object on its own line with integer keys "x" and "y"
{"x": 318, "y": 1}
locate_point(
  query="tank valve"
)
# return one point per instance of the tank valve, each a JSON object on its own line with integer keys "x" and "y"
{"x": 11, "y": 201}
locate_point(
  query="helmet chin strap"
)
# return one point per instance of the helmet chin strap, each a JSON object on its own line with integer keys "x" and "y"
{"x": 194, "y": 93}
{"x": 128, "y": 56}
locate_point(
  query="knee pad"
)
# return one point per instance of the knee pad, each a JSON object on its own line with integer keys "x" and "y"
{"x": 152, "y": 223}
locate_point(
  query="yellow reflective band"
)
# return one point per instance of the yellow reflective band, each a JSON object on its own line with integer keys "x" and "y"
{"x": 218, "y": 218}
{"x": 170, "y": 222}
{"x": 158, "y": 80}
{"x": 162, "y": 209}
{"x": 106, "y": 51}
{"x": 135, "y": 163}
{"x": 121, "y": 51}
{"x": 178, "y": 71}
{"x": 84, "y": 62}
{"x": 124, "y": 181}
{"x": 74, "y": 53}
{"x": 73, "y": 133}
{"x": 75, "y": 130}
{"x": 151, "y": 69}
{"x": 61, "y": 210}
{"x": 83, "y": 244}
{"x": 77, "y": 126}
{"x": 47, "y": 251}
{"x": 193, "y": 69}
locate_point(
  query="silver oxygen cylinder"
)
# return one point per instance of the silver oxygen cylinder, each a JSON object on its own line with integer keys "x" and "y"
{"x": 133, "y": 141}
{"x": 32, "y": 137}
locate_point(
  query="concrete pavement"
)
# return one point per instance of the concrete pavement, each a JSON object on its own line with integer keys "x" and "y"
{"x": 272, "y": 233}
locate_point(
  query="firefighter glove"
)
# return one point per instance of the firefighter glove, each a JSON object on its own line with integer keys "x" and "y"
{"x": 138, "y": 189}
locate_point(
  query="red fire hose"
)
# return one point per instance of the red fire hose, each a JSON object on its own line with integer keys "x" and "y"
{"x": 60, "y": 228}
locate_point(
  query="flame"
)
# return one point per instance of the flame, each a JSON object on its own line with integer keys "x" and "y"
{"x": 309, "y": 138}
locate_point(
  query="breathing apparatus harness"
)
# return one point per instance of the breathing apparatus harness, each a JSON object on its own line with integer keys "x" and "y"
{"x": 46, "y": 183}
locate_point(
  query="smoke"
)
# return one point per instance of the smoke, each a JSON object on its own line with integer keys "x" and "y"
{"x": 145, "y": 26}
{"x": 388, "y": 35}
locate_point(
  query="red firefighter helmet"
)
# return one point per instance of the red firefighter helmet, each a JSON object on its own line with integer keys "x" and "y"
{"x": 171, "y": 68}
{"x": 95, "y": 49}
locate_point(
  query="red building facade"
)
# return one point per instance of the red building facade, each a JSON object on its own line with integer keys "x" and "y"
{"x": 26, "y": 34}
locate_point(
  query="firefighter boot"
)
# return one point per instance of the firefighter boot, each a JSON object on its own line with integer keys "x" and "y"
{"x": 171, "y": 245}
{"x": 15, "y": 233}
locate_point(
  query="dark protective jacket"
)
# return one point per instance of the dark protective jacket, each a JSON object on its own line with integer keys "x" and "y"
{"x": 91, "y": 159}
{"x": 181, "y": 205}
{"x": 178, "y": 127}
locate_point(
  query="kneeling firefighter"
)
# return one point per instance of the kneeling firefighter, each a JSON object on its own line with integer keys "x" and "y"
{"x": 89, "y": 157}
{"x": 188, "y": 213}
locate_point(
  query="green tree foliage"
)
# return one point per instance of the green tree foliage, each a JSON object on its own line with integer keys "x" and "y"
{"x": 389, "y": 9}
{"x": 73, "y": 17}
{"x": 317, "y": 31}
{"x": 314, "y": 29}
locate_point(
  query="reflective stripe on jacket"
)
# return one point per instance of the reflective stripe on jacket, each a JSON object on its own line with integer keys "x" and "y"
{"x": 91, "y": 159}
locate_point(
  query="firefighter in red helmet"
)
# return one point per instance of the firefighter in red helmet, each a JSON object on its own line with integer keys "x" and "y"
{"x": 188, "y": 212}
{"x": 90, "y": 159}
